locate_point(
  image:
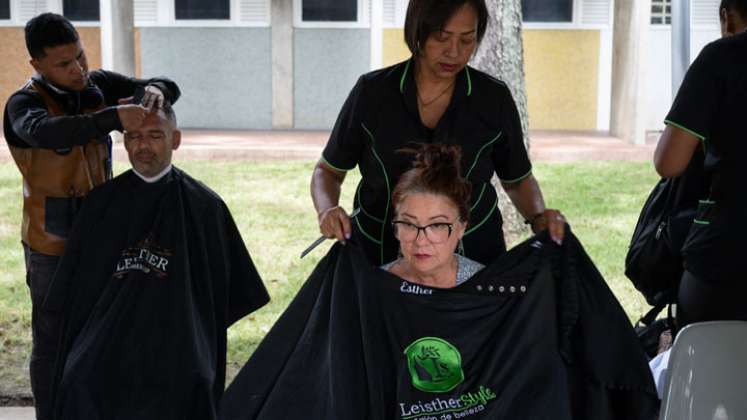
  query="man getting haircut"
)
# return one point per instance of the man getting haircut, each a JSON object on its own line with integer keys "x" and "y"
{"x": 154, "y": 273}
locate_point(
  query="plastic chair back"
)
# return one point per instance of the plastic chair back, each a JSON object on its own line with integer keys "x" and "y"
{"x": 708, "y": 373}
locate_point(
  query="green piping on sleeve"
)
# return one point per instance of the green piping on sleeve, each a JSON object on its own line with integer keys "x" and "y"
{"x": 485, "y": 219}
{"x": 513, "y": 181}
{"x": 479, "y": 152}
{"x": 388, "y": 189}
{"x": 326, "y": 162}
{"x": 402, "y": 80}
{"x": 484, "y": 185}
{"x": 363, "y": 231}
{"x": 360, "y": 205}
{"x": 681, "y": 127}
{"x": 706, "y": 202}
{"x": 469, "y": 81}
{"x": 701, "y": 222}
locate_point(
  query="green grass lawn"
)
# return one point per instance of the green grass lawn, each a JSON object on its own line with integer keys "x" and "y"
{"x": 271, "y": 205}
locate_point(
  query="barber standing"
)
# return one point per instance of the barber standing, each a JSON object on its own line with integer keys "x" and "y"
{"x": 710, "y": 110}
{"x": 57, "y": 128}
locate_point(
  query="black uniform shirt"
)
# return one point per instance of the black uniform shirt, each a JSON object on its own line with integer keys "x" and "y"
{"x": 380, "y": 116}
{"x": 712, "y": 105}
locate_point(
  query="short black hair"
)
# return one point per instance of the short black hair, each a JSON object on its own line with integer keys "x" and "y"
{"x": 46, "y": 31}
{"x": 425, "y": 17}
{"x": 739, "y": 6}
{"x": 168, "y": 112}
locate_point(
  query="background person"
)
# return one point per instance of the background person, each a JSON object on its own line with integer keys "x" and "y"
{"x": 709, "y": 110}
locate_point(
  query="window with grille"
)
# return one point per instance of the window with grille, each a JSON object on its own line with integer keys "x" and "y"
{"x": 329, "y": 10}
{"x": 661, "y": 12}
{"x": 202, "y": 9}
{"x": 81, "y": 10}
{"x": 547, "y": 10}
{"x": 4, "y": 9}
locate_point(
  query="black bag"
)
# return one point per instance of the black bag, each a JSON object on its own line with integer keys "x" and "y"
{"x": 649, "y": 329}
{"x": 654, "y": 261}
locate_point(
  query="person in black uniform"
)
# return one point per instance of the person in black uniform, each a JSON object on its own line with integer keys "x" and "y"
{"x": 709, "y": 110}
{"x": 433, "y": 97}
{"x": 57, "y": 129}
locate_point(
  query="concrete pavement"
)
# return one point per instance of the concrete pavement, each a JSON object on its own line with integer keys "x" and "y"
{"x": 17, "y": 413}
{"x": 545, "y": 146}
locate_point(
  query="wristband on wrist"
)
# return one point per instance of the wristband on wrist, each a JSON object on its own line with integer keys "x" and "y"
{"x": 532, "y": 220}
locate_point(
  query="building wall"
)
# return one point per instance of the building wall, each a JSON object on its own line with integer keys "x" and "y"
{"x": 394, "y": 49}
{"x": 327, "y": 63}
{"x": 16, "y": 69}
{"x": 138, "y": 53}
{"x": 224, "y": 74}
{"x": 562, "y": 71}
{"x": 562, "y": 74}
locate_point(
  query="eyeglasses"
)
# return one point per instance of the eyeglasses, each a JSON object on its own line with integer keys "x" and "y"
{"x": 435, "y": 232}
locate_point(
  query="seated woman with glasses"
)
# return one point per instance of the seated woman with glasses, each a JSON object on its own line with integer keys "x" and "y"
{"x": 503, "y": 347}
{"x": 431, "y": 212}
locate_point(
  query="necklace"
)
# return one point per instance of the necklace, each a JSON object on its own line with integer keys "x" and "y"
{"x": 425, "y": 104}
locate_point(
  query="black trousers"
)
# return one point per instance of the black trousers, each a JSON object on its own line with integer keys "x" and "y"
{"x": 45, "y": 328}
{"x": 700, "y": 300}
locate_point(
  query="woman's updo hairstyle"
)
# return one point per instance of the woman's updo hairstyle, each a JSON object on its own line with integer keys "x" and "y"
{"x": 435, "y": 170}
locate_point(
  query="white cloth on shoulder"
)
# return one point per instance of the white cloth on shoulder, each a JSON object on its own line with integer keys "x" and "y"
{"x": 466, "y": 268}
{"x": 659, "y": 368}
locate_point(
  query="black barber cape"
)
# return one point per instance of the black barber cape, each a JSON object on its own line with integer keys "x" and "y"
{"x": 152, "y": 276}
{"x": 536, "y": 335}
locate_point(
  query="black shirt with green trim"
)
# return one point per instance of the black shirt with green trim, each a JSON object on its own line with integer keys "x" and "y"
{"x": 712, "y": 105}
{"x": 380, "y": 117}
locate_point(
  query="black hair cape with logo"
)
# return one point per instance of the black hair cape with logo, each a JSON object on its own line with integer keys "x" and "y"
{"x": 535, "y": 335}
{"x": 151, "y": 278}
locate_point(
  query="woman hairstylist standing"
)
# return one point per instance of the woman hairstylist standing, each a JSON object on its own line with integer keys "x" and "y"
{"x": 433, "y": 97}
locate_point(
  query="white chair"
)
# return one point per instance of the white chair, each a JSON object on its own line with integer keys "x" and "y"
{"x": 708, "y": 373}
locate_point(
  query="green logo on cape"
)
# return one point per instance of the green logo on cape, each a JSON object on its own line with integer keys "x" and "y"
{"x": 435, "y": 365}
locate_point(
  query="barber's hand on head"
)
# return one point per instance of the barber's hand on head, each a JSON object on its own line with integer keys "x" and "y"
{"x": 553, "y": 221}
{"x": 131, "y": 116}
{"x": 335, "y": 223}
{"x": 153, "y": 97}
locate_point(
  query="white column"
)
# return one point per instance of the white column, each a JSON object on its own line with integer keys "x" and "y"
{"x": 377, "y": 35}
{"x": 604, "y": 83}
{"x": 680, "y": 42}
{"x": 282, "y": 63}
{"x": 117, "y": 36}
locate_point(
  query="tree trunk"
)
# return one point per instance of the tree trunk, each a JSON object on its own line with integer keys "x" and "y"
{"x": 501, "y": 54}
